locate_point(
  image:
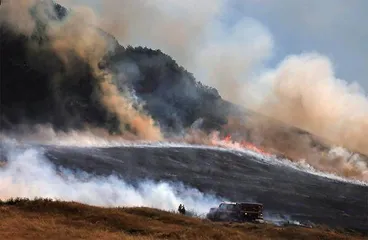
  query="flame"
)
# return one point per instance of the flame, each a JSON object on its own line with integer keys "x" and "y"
{"x": 214, "y": 139}
{"x": 227, "y": 141}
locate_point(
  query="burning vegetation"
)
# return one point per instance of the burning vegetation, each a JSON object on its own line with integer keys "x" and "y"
{"x": 227, "y": 141}
{"x": 136, "y": 93}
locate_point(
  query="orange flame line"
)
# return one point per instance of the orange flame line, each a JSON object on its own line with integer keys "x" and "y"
{"x": 247, "y": 145}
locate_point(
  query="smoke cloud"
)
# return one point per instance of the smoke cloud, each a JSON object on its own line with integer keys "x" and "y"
{"x": 179, "y": 28}
{"x": 275, "y": 137}
{"x": 232, "y": 56}
{"x": 304, "y": 92}
{"x": 194, "y": 34}
{"x": 16, "y": 15}
{"x": 92, "y": 46}
{"x": 76, "y": 36}
{"x": 29, "y": 174}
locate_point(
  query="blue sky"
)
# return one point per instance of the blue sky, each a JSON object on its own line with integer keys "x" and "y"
{"x": 335, "y": 28}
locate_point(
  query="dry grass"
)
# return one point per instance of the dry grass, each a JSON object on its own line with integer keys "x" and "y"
{"x": 46, "y": 219}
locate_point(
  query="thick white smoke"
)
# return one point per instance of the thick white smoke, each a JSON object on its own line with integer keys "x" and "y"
{"x": 303, "y": 91}
{"x": 232, "y": 57}
{"x": 195, "y": 33}
{"x": 29, "y": 174}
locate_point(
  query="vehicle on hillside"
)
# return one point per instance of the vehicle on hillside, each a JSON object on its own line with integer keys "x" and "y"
{"x": 237, "y": 212}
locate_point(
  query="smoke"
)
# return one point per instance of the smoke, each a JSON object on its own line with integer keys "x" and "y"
{"x": 76, "y": 37}
{"x": 232, "y": 56}
{"x": 283, "y": 220}
{"x": 141, "y": 125}
{"x": 192, "y": 33}
{"x": 179, "y": 28}
{"x": 46, "y": 134}
{"x": 304, "y": 92}
{"x": 29, "y": 174}
{"x": 285, "y": 141}
{"x": 16, "y": 15}
{"x": 91, "y": 41}
{"x": 195, "y": 34}
{"x": 301, "y": 91}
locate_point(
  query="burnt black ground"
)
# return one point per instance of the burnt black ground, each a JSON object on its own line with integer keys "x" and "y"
{"x": 232, "y": 175}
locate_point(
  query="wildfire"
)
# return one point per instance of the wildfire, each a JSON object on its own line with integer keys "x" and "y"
{"x": 214, "y": 139}
{"x": 227, "y": 139}
{"x": 244, "y": 144}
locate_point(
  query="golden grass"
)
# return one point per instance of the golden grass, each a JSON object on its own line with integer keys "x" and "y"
{"x": 45, "y": 219}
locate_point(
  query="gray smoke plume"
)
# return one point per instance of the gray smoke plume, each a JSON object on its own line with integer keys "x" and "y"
{"x": 28, "y": 173}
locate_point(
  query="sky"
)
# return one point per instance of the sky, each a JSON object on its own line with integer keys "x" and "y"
{"x": 334, "y": 28}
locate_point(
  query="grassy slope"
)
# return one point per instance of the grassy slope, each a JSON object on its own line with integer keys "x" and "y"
{"x": 42, "y": 219}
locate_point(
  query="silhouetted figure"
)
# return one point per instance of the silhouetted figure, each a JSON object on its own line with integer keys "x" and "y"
{"x": 181, "y": 209}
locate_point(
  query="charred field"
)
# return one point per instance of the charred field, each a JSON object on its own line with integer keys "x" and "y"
{"x": 163, "y": 175}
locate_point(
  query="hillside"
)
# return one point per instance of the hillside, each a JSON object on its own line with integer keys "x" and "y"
{"x": 38, "y": 86}
{"x": 47, "y": 80}
{"x": 46, "y": 219}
